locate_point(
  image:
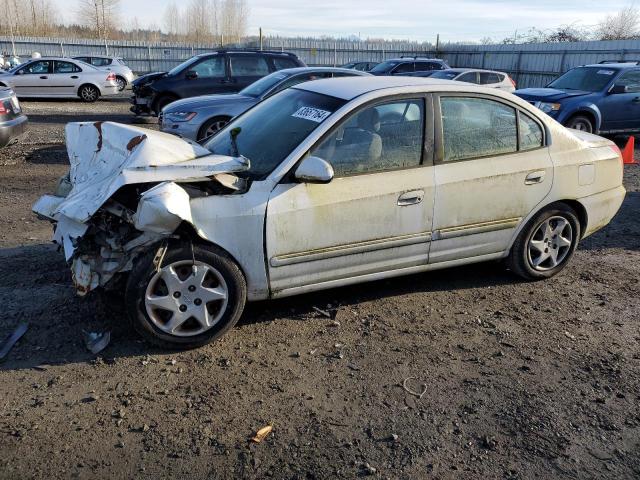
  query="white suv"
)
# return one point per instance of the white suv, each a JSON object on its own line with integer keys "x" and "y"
{"x": 486, "y": 78}
{"x": 117, "y": 65}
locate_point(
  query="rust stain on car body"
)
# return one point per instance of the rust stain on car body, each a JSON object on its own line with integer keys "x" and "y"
{"x": 135, "y": 141}
{"x": 98, "y": 126}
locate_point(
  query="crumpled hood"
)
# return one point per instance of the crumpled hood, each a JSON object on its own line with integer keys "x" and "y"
{"x": 147, "y": 78}
{"x": 206, "y": 101}
{"x": 104, "y": 156}
{"x": 548, "y": 94}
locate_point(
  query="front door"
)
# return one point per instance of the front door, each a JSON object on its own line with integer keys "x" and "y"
{"x": 621, "y": 111}
{"x": 207, "y": 77}
{"x": 33, "y": 78}
{"x": 488, "y": 177}
{"x": 374, "y": 216}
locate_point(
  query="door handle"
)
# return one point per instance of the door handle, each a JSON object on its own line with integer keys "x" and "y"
{"x": 44, "y": 77}
{"x": 74, "y": 76}
{"x": 411, "y": 198}
{"x": 535, "y": 177}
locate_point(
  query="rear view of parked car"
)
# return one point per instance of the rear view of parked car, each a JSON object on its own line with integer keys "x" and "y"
{"x": 486, "y": 78}
{"x": 117, "y": 65}
{"x": 198, "y": 118}
{"x": 409, "y": 65}
{"x": 12, "y": 121}
{"x": 224, "y": 71}
{"x": 602, "y": 98}
{"x": 59, "y": 77}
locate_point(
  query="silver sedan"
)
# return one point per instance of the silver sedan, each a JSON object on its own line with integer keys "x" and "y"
{"x": 59, "y": 77}
{"x": 198, "y": 118}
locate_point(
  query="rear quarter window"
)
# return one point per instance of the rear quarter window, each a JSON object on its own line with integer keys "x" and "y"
{"x": 282, "y": 63}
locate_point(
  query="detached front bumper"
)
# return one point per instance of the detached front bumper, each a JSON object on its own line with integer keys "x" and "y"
{"x": 12, "y": 130}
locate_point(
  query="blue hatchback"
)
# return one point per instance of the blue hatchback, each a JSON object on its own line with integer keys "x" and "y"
{"x": 602, "y": 98}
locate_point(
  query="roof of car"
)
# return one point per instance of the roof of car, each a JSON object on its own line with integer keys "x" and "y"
{"x": 414, "y": 59}
{"x": 613, "y": 65}
{"x": 349, "y": 71}
{"x": 348, "y": 88}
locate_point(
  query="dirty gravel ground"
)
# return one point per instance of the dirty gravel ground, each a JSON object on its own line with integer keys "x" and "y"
{"x": 521, "y": 380}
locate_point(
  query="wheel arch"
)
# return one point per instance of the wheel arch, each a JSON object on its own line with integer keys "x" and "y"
{"x": 215, "y": 117}
{"x": 89, "y": 84}
{"x": 590, "y": 112}
{"x": 164, "y": 94}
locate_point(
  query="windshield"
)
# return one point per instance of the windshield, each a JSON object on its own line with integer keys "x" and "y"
{"x": 17, "y": 67}
{"x": 185, "y": 64}
{"x": 445, "y": 75}
{"x": 272, "y": 129}
{"x": 590, "y": 79}
{"x": 383, "y": 67}
{"x": 259, "y": 87}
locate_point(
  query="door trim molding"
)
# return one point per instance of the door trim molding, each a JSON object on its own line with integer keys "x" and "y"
{"x": 474, "y": 228}
{"x": 350, "y": 249}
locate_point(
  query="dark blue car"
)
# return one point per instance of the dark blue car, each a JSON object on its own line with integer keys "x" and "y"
{"x": 602, "y": 98}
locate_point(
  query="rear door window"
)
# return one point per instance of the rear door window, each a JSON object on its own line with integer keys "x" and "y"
{"x": 530, "y": 133}
{"x": 248, "y": 66}
{"x": 631, "y": 80}
{"x": 282, "y": 63}
{"x": 100, "y": 62}
{"x": 469, "y": 77}
{"x": 66, "y": 67}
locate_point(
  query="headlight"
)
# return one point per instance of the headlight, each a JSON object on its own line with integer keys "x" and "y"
{"x": 179, "y": 116}
{"x": 549, "y": 107}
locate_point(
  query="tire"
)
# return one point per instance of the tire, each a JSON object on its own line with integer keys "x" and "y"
{"x": 88, "y": 93}
{"x": 163, "y": 101}
{"x": 211, "y": 127}
{"x": 148, "y": 295}
{"x": 122, "y": 83}
{"x": 532, "y": 255}
{"x": 581, "y": 122}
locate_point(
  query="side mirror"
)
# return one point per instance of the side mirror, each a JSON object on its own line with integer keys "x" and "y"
{"x": 191, "y": 74}
{"x": 314, "y": 170}
{"x": 616, "y": 89}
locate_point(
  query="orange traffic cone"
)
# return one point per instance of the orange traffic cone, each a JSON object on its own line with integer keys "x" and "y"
{"x": 629, "y": 151}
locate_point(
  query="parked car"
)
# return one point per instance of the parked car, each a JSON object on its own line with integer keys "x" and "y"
{"x": 197, "y": 118}
{"x": 602, "y": 98}
{"x": 117, "y": 65}
{"x": 362, "y": 66}
{"x": 408, "y": 65}
{"x": 486, "y": 78}
{"x": 13, "y": 121}
{"x": 328, "y": 183}
{"x": 224, "y": 71}
{"x": 59, "y": 77}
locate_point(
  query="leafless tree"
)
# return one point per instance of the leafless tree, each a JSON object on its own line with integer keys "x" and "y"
{"x": 172, "y": 20}
{"x": 623, "y": 25}
{"x": 99, "y": 15}
{"x": 28, "y": 17}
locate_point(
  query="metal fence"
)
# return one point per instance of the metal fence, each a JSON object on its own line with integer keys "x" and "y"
{"x": 531, "y": 65}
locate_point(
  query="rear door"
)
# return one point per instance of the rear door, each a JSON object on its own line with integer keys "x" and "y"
{"x": 246, "y": 69}
{"x": 492, "y": 169}
{"x": 621, "y": 111}
{"x": 65, "y": 79}
{"x": 33, "y": 79}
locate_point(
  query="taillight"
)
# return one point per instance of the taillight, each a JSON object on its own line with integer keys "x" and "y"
{"x": 3, "y": 109}
{"x": 111, "y": 77}
{"x": 513, "y": 82}
{"x": 617, "y": 151}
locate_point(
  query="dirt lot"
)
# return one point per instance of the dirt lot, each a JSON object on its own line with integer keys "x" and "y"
{"x": 520, "y": 380}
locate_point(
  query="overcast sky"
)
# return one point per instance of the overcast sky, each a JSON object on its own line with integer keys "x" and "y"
{"x": 402, "y": 19}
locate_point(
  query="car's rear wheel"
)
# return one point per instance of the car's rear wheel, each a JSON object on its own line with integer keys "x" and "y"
{"x": 88, "y": 93}
{"x": 580, "y": 122}
{"x": 191, "y": 299}
{"x": 121, "y": 82}
{"x": 545, "y": 245}
{"x": 211, "y": 127}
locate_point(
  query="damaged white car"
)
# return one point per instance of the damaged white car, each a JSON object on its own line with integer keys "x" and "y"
{"x": 330, "y": 183}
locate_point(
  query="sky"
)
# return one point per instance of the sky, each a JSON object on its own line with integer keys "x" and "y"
{"x": 420, "y": 20}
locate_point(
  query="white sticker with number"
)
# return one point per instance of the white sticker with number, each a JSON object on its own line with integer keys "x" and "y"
{"x": 310, "y": 113}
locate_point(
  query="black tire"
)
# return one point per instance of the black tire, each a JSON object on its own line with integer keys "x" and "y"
{"x": 122, "y": 83}
{"x": 216, "y": 123}
{"x": 88, "y": 93}
{"x": 143, "y": 274}
{"x": 162, "y": 102}
{"x": 521, "y": 261}
{"x": 581, "y": 122}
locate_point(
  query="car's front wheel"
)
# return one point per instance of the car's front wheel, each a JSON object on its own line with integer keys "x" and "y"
{"x": 211, "y": 127}
{"x": 580, "y": 122}
{"x": 545, "y": 245}
{"x": 193, "y": 297}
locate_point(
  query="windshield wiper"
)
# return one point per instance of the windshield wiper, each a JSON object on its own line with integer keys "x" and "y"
{"x": 235, "y": 152}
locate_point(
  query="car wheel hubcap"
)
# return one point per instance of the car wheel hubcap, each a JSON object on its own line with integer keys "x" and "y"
{"x": 121, "y": 84}
{"x": 88, "y": 94}
{"x": 214, "y": 128}
{"x": 186, "y": 298}
{"x": 550, "y": 243}
{"x": 582, "y": 126}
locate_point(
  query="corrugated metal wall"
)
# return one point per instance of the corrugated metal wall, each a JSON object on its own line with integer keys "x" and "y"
{"x": 531, "y": 65}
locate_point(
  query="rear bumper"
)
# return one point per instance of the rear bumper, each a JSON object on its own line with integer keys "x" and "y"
{"x": 12, "y": 129}
{"x": 601, "y": 208}
{"x": 109, "y": 89}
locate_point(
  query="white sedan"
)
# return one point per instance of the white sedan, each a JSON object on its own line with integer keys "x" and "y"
{"x": 59, "y": 77}
{"x": 329, "y": 183}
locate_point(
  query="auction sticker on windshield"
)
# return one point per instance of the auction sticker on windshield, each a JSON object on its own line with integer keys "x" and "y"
{"x": 310, "y": 113}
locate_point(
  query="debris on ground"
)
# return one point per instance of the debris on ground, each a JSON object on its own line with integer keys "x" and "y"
{"x": 262, "y": 434}
{"x": 322, "y": 312}
{"x": 17, "y": 334}
{"x": 96, "y": 341}
{"x": 413, "y": 392}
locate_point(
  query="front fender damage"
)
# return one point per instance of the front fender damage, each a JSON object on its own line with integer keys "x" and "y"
{"x": 126, "y": 192}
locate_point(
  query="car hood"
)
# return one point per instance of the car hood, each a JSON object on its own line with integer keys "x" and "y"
{"x": 206, "y": 101}
{"x": 105, "y": 156}
{"x": 149, "y": 77}
{"x": 548, "y": 94}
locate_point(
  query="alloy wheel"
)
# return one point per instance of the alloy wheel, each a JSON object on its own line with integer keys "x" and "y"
{"x": 89, "y": 94}
{"x": 550, "y": 243}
